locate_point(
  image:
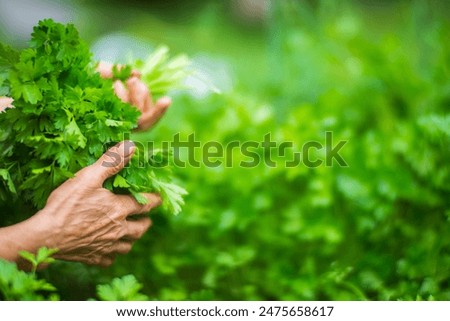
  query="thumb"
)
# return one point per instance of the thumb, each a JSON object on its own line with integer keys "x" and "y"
{"x": 112, "y": 162}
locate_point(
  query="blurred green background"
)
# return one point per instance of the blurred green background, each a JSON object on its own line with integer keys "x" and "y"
{"x": 375, "y": 73}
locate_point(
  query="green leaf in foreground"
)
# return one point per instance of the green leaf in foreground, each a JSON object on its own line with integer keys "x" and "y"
{"x": 43, "y": 256}
{"x": 121, "y": 289}
{"x": 17, "y": 285}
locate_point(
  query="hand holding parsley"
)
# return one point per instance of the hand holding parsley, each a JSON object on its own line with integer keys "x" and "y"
{"x": 51, "y": 146}
{"x": 84, "y": 221}
{"x": 65, "y": 114}
{"x": 137, "y": 93}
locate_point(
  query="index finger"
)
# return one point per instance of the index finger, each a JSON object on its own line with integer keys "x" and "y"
{"x": 131, "y": 207}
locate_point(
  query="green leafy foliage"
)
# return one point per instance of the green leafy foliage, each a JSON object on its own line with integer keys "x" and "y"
{"x": 18, "y": 285}
{"x": 121, "y": 73}
{"x": 8, "y": 57}
{"x": 162, "y": 73}
{"x": 64, "y": 117}
{"x": 43, "y": 256}
{"x": 125, "y": 288}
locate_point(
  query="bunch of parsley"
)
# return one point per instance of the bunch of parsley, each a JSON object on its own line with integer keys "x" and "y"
{"x": 63, "y": 119}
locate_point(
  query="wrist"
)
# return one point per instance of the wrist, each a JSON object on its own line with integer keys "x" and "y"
{"x": 29, "y": 235}
{"x": 44, "y": 228}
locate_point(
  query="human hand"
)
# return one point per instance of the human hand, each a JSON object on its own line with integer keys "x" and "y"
{"x": 135, "y": 92}
{"x": 90, "y": 224}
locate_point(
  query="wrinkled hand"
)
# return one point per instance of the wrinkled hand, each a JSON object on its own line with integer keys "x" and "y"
{"x": 137, "y": 94}
{"x": 91, "y": 224}
{"x": 84, "y": 221}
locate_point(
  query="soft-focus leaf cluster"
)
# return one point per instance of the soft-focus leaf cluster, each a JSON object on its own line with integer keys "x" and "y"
{"x": 16, "y": 285}
{"x": 377, "y": 229}
{"x": 121, "y": 289}
{"x": 162, "y": 73}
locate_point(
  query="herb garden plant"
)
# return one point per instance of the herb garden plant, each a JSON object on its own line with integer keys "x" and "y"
{"x": 65, "y": 116}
